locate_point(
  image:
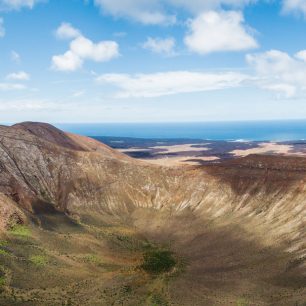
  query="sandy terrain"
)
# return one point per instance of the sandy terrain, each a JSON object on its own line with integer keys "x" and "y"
{"x": 181, "y": 148}
{"x": 266, "y": 147}
{"x": 130, "y": 150}
{"x": 168, "y": 160}
{"x": 186, "y": 154}
{"x": 168, "y": 149}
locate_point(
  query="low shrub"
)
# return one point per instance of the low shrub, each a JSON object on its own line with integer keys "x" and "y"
{"x": 21, "y": 231}
{"x": 158, "y": 261}
{"x": 38, "y": 260}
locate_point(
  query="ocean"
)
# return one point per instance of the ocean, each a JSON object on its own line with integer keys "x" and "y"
{"x": 232, "y": 131}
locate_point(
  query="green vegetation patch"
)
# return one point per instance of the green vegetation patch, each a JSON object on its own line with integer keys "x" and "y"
{"x": 38, "y": 260}
{"x": 3, "y": 243}
{"x": 3, "y": 252}
{"x": 158, "y": 300}
{"x": 2, "y": 281}
{"x": 20, "y": 231}
{"x": 2, "y": 278}
{"x": 242, "y": 302}
{"x": 98, "y": 261}
{"x": 157, "y": 261}
{"x": 92, "y": 258}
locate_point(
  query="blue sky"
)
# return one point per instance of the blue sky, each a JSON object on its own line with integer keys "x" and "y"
{"x": 152, "y": 60}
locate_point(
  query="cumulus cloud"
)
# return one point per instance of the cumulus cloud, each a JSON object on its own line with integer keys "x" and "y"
{"x": 81, "y": 49}
{"x": 17, "y": 4}
{"x": 294, "y": 6}
{"x": 18, "y": 76}
{"x": 99, "y": 52}
{"x": 219, "y": 31}
{"x": 211, "y": 29}
{"x": 170, "y": 83}
{"x": 155, "y": 11}
{"x": 301, "y": 55}
{"x": 67, "y": 62}
{"x": 159, "y": 45}
{"x": 67, "y": 31}
{"x": 280, "y": 72}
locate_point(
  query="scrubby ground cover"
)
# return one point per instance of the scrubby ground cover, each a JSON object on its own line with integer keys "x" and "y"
{"x": 149, "y": 260}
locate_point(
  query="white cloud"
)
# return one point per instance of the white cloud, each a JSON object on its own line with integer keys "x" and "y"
{"x": 99, "y": 52}
{"x": 146, "y": 12}
{"x": 282, "y": 89}
{"x": 2, "y": 29}
{"x": 274, "y": 71}
{"x": 18, "y": 76}
{"x": 15, "y": 57}
{"x": 301, "y": 55}
{"x": 294, "y": 6}
{"x": 82, "y": 48}
{"x": 67, "y": 62}
{"x": 170, "y": 83}
{"x": 219, "y": 31}
{"x": 158, "y": 45}
{"x": 155, "y": 11}
{"x": 280, "y": 72}
{"x": 67, "y": 31}
{"x": 17, "y": 4}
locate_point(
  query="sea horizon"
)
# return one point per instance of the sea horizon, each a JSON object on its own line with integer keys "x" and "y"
{"x": 261, "y": 130}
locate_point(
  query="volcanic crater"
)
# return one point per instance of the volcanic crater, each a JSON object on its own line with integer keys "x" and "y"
{"x": 80, "y": 223}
